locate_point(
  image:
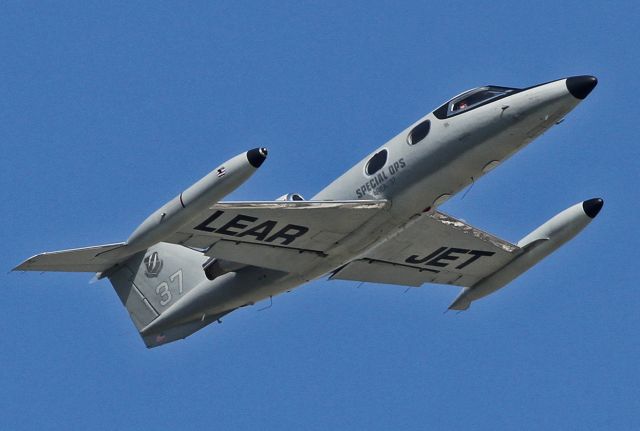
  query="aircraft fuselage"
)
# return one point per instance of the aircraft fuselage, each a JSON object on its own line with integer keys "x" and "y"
{"x": 416, "y": 171}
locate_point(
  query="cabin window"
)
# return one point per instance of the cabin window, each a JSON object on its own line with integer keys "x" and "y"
{"x": 419, "y": 132}
{"x": 376, "y": 162}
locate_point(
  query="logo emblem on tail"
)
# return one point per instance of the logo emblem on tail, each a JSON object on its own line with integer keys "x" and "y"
{"x": 153, "y": 265}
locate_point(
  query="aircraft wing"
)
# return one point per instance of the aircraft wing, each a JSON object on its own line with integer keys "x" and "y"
{"x": 433, "y": 248}
{"x": 283, "y": 235}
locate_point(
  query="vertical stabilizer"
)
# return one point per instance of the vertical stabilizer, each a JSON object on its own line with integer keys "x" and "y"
{"x": 151, "y": 281}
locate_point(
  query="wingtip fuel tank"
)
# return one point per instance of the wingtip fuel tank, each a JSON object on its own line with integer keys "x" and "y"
{"x": 205, "y": 192}
{"x": 534, "y": 247}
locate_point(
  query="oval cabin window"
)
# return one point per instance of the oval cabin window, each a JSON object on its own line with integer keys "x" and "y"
{"x": 419, "y": 132}
{"x": 376, "y": 162}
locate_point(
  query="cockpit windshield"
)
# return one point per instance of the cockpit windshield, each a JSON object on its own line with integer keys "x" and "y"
{"x": 473, "y": 99}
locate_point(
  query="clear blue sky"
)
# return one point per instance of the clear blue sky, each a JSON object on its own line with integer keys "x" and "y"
{"x": 110, "y": 109}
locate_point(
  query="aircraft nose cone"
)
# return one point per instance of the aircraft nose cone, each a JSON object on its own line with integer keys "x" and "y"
{"x": 581, "y": 86}
{"x": 257, "y": 156}
{"x": 592, "y": 207}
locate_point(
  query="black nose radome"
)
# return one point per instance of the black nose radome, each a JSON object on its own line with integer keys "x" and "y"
{"x": 592, "y": 207}
{"x": 581, "y": 86}
{"x": 257, "y": 156}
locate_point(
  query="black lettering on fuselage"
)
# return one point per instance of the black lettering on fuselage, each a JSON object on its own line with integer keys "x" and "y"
{"x": 378, "y": 183}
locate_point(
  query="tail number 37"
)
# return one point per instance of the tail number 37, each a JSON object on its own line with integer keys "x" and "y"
{"x": 163, "y": 290}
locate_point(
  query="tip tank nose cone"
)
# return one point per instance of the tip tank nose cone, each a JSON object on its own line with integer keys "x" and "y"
{"x": 592, "y": 207}
{"x": 257, "y": 156}
{"x": 581, "y": 86}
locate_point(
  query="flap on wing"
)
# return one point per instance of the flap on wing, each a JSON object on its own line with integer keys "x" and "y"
{"x": 375, "y": 271}
{"x": 307, "y": 225}
{"x": 433, "y": 248}
{"x": 87, "y": 259}
{"x": 293, "y": 260}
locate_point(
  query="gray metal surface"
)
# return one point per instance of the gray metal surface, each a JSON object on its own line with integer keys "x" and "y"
{"x": 377, "y": 222}
{"x": 432, "y": 248}
{"x": 324, "y": 223}
{"x": 87, "y": 259}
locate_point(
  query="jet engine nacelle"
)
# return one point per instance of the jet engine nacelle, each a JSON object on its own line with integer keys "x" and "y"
{"x": 536, "y": 246}
{"x": 188, "y": 204}
{"x": 214, "y": 268}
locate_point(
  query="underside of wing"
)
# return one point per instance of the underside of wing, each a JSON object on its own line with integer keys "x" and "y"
{"x": 283, "y": 235}
{"x": 280, "y": 258}
{"x": 433, "y": 248}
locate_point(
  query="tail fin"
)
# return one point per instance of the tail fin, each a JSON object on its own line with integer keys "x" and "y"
{"x": 151, "y": 281}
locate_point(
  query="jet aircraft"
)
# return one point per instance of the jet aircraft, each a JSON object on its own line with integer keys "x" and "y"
{"x": 197, "y": 259}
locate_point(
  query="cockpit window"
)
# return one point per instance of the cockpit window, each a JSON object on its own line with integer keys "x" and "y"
{"x": 473, "y": 99}
{"x": 476, "y": 97}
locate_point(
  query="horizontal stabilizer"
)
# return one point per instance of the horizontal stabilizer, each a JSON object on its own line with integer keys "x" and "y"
{"x": 87, "y": 259}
